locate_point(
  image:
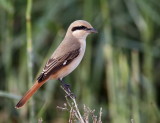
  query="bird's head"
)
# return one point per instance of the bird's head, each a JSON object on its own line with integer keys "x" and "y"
{"x": 81, "y": 29}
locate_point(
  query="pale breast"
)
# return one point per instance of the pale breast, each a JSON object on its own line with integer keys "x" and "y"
{"x": 70, "y": 67}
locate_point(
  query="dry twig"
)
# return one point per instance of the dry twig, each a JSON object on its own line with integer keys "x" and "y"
{"x": 75, "y": 114}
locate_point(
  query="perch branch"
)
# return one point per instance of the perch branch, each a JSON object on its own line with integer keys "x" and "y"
{"x": 76, "y": 111}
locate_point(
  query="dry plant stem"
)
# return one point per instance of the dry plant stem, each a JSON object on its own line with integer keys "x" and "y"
{"x": 86, "y": 114}
{"x": 72, "y": 110}
{"x": 71, "y": 118}
{"x": 95, "y": 119}
{"x": 40, "y": 120}
{"x": 132, "y": 121}
{"x": 77, "y": 112}
{"x": 62, "y": 108}
{"x": 100, "y": 115}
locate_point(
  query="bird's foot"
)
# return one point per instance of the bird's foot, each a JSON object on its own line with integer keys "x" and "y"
{"x": 66, "y": 87}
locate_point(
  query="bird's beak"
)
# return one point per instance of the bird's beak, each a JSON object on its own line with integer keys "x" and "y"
{"x": 92, "y": 30}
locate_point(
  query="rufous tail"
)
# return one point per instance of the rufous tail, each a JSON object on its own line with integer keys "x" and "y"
{"x": 29, "y": 93}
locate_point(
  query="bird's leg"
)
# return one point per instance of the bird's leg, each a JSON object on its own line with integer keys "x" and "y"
{"x": 66, "y": 87}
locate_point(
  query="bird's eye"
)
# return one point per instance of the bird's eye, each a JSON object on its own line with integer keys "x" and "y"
{"x": 79, "y": 28}
{"x": 82, "y": 27}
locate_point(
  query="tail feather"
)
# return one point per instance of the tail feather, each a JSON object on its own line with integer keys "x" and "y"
{"x": 28, "y": 94}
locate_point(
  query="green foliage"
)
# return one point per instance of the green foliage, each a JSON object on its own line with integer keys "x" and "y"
{"x": 120, "y": 70}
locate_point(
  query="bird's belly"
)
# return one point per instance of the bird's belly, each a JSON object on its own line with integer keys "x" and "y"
{"x": 70, "y": 67}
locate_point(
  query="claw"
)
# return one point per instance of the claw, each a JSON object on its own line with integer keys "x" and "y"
{"x": 67, "y": 85}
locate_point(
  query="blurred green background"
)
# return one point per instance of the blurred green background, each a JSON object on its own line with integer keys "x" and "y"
{"x": 120, "y": 71}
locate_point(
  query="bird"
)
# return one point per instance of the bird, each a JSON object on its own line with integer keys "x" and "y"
{"x": 64, "y": 59}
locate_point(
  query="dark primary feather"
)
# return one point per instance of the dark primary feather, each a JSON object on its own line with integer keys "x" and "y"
{"x": 53, "y": 65}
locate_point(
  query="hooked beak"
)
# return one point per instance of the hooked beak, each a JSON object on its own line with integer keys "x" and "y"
{"x": 92, "y": 30}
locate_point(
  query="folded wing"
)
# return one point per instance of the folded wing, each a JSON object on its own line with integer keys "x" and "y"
{"x": 55, "y": 64}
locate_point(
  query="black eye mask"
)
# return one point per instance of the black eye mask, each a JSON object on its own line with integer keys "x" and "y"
{"x": 79, "y": 28}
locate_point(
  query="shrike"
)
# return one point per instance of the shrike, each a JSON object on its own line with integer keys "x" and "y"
{"x": 65, "y": 58}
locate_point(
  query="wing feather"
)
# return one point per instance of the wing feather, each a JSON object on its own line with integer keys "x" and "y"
{"x": 55, "y": 64}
